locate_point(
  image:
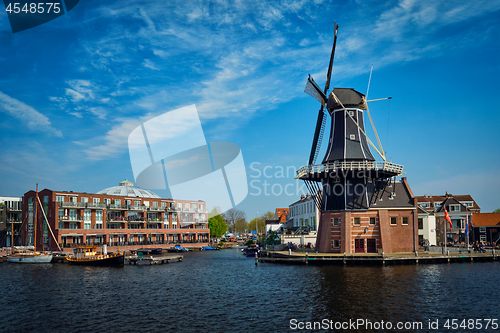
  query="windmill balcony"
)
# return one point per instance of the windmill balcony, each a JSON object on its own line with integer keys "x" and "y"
{"x": 305, "y": 171}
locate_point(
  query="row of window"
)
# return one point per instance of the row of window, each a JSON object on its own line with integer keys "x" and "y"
{"x": 373, "y": 221}
{"x": 451, "y": 208}
{"x": 303, "y": 208}
{"x": 394, "y": 220}
{"x": 136, "y": 203}
{"x": 356, "y": 221}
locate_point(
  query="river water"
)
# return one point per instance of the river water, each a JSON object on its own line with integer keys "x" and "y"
{"x": 223, "y": 291}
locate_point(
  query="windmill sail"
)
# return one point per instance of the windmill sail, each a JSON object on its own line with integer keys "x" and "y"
{"x": 312, "y": 89}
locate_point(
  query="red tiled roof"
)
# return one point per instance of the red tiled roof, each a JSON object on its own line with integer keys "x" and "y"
{"x": 485, "y": 219}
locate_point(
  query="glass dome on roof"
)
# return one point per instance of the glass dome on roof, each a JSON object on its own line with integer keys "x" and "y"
{"x": 127, "y": 188}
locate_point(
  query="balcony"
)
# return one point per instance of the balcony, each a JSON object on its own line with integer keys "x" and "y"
{"x": 76, "y": 218}
{"x": 67, "y": 204}
{"x": 155, "y": 209}
{"x": 96, "y": 205}
{"x": 138, "y": 208}
{"x": 116, "y": 207}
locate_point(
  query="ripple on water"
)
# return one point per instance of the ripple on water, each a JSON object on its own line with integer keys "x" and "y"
{"x": 224, "y": 291}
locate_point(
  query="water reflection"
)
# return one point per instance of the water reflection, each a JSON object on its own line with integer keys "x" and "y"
{"x": 223, "y": 290}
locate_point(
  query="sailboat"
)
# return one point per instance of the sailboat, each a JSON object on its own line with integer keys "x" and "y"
{"x": 24, "y": 254}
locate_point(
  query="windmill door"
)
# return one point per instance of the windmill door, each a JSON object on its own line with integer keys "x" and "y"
{"x": 359, "y": 245}
{"x": 371, "y": 245}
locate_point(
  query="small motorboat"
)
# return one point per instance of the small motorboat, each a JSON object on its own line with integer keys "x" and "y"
{"x": 176, "y": 249}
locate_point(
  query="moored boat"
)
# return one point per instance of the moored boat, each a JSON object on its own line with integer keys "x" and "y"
{"x": 251, "y": 251}
{"x": 30, "y": 257}
{"x": 210, "y": 248}
{"x": 87, "y": 255}
{"x": 28, "y": 254}
{"x": 176, "y": 249}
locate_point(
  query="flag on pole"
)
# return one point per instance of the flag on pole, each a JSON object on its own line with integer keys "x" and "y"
{"x": 467, "y": 223}
{"x": 447, "y": 217}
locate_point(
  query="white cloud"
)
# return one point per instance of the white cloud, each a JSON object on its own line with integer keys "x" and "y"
{"x": 27, "y": 115}
{"x": 98, "y": 112}
{"x": 75, "y": 96}
{"x": 149, "y": 64}
{"x": 116, "y": 139}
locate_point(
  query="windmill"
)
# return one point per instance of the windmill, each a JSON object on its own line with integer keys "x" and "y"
{"x": 348, "y": 177}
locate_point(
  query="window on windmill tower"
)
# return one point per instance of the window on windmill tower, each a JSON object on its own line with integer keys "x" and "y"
{"x": 352, "y": 137}
{"x": 372, "y": 220}
{"x": 394, "y": 220}
{"x": 405, "y": 220}
{"x": 336, "y": 221}
{"x": 357, "y": 221}
{"x": 351, "y": 113}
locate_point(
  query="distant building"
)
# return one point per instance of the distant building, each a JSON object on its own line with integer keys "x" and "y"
{"x": 281, "y": 214}
{"x": 426, "y": 227}
{"x": 122, "y": 217}
{"x": 303, "y": 214}
{"x": 458, "y": 207}
{"x": 277, "y": 224}
{"x": 486, "y": 227}
{"x": 10, "y": 216}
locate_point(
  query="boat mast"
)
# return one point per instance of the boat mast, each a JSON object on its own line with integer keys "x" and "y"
{"x": 36, "y": 213}
{"x": 12, "y": 236}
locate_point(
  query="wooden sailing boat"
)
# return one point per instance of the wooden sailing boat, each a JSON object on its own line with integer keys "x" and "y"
{"x": 87, "y": 255}
{"x": 25, "y": 255}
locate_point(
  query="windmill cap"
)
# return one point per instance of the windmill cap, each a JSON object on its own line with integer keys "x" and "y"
{"x": 348, "y": 97}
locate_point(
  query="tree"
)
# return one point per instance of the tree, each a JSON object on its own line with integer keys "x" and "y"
{"x": 240, "y": 226}
{"x": 273, "y": 238}
{"x": 214, "y": 212}
{"x": 496, "y": 210}
{"x": 261, "y": 225}
{"x": 217, "y": 226}
{"x": 268, "y": 216}
{"x": 233, "y": 215}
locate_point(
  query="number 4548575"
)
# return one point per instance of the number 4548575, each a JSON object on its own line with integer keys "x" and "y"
{"x": 34, "y": 7}
{"x": 471, "y": 324}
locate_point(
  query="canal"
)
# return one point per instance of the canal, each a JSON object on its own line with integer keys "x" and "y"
{"x": 223, "y": 291}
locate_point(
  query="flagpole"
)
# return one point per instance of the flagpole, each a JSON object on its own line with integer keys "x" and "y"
{"x": 445, "y": 236}
{"x": 467, "y": 227}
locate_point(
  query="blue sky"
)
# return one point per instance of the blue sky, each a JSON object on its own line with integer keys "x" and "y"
{"x": 73, "y": 89}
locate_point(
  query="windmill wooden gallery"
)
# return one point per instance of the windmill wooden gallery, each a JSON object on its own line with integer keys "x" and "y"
{"x": 362, "y": 207}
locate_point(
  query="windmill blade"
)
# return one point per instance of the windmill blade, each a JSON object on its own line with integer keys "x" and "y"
{"x": 318, "y": 136}
{"x": 312, "y": 89}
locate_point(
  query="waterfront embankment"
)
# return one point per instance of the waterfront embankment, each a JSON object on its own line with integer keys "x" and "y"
{"x": 407, "y": 258}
